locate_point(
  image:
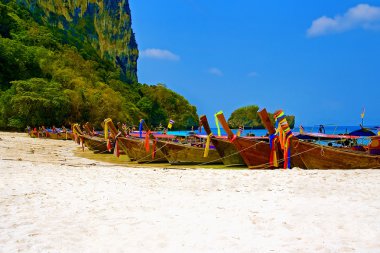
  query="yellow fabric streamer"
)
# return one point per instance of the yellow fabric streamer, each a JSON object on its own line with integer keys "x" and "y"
{"x": 75, "y": 130}
{"x": 285, "y": 134}
{"x": 217, "y": 122}
{"x": 106, "y": 121}
{"x": 275, "y": 160}
{"x": 207, "y": 147}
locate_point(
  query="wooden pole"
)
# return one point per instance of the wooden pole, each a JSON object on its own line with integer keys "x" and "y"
{"x": 263, "y": 114}
{"x": 225, "y": 126}
{"x": 205, "y": 124}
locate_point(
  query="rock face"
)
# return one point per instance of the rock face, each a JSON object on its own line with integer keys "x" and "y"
{"x": 104, "y": 24}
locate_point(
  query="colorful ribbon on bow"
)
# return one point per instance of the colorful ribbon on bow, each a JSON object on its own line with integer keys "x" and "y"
{"x": 217, "y": 122}
{"x": 207, "y": 147}
{"x": 109, "y": 146}
{"x": 106, "y": 128}
{"x": 273, "y": 159}
{"x": 147, "y": 146}
{"x": 284, "y": 135}
{"x": 141, "y": 127}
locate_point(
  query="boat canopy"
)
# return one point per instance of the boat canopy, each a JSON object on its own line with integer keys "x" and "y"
{"x": 321, "y": 136}
{"x": 362, "y": 132}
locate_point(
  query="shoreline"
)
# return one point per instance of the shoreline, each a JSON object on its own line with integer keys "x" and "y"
{"x": 54, "y": 201}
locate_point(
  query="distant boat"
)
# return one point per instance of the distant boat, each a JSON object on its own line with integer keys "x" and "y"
{"x": 362, "y": 132}
{"x": 325, "y": 137}
{"x": 55, "y": 134}
{"x": 58, "y": 134}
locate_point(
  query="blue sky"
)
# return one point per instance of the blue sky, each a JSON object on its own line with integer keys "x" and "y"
{"x": 318, "y": 60}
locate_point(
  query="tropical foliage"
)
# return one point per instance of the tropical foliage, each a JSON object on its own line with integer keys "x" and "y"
{"x": 247, "y": 116}
{"x": 47, "y": 78}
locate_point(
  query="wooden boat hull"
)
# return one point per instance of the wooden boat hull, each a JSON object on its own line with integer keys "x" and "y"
{"x": 255, "y": 153}
{"x": 60, "y": 136}
{"x": 136, "y": 151}
{"x": 177, "y": 153}
{"x": 308, "y": 155}
{"x": 228, "y": 152}
{"x": 54, "y": 136}
{"x": 96, "y": 144}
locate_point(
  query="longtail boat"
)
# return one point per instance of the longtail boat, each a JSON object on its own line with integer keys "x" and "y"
{"x": 141, "y": 150}
{"x": 189, "y": 153}
{"x": 34, "y": 133}
{"x": 54, "y": 133}
{"x": 138, "y": 151}
{"x": 325, "y": 137}
{"x": 58, "y": 135}
{"x": 307, "y": 155}
{"x": 227, "y": 151}
{"x": 88, "y": 129}
{"x": 97, "y": 144}
{"x": 255, "y": 151}
{"x": 93, "y": 143}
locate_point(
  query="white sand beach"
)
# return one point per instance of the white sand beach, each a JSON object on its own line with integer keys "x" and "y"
{"x": 53, "y": 201}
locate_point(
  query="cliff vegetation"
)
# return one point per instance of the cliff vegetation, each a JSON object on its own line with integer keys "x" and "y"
{"x": 54, "y": 73}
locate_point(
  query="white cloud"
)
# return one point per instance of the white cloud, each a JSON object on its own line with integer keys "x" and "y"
{"x": 215, "y": 71}
{"x": 253, "y": 74}
{"x": 161, "y": 54}
{"x": 361, "y": 16}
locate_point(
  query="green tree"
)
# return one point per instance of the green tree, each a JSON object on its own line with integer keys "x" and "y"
{"x": 247, "y": 116}
{"x": 35, "y": 101}
{"x": 50, "y": 74}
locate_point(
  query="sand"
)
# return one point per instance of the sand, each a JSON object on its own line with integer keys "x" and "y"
{"x": 53, "y": 201}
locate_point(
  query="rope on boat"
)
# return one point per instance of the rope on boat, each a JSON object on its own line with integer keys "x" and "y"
{"x": 265, "y": 165}
{"x": 152, "y": 160}
{"x": 205, "y": 163}
{"x": 300, "y": 153}
{"x": 281, "y": 160}
{"x": 238, "y": 152}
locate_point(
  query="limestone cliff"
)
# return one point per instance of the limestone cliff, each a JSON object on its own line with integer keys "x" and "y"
{"x": 104, "y": 24}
